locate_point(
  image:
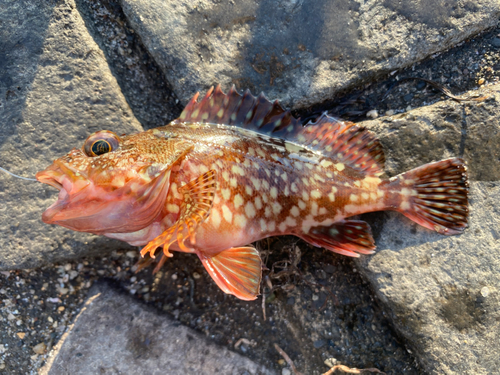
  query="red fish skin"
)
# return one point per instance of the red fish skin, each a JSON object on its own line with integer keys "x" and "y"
{"x": 200, "y": 186}
{"x": 262, "y": 191}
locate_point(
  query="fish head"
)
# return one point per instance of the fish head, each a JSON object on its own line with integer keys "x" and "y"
{"x": 112, "y": 184}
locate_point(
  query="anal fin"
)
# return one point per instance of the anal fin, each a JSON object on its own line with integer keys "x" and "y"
{"x": 347, "y": 237}
{"x": 236, "y": 271}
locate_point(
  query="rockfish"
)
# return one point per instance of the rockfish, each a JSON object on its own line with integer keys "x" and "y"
{"x": 234, "y": 169}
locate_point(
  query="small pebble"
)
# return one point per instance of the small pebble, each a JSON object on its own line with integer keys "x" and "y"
{"x": 67, "y": 267}
{"x": 408, "y": 97}
{"x": 21, "y": 335}
{"x": 286, "y": 371}
{"x": 481, "y": 81}
{"x": 196, "y": 275}
{"x": 2, "y": 349}
{"x": 60, "y": 308}
{"x": 131, "y": 254}
{"x": 40, "y": 348}
{"x": 281, "y": 362}
{"x": 319, "y": 343}
{"x": 372, "y": 114}
{"x": 495, "y": 42}
{"x": 174, "y": 276}
{"x": 485, "y": 291}
{"x": 390, "y": 112}
{"x": 330, "y": 362}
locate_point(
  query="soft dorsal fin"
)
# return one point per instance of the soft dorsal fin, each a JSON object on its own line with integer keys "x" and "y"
{"x": 341, "y": 141}
{"x": 345, "y": 142}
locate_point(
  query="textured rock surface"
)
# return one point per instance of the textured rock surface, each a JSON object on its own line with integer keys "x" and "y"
{"x": 129, "y": 338}
{"x": 55, "y": 89}
{"x": 443, "y": 293}
{"x": 302, "y": 52}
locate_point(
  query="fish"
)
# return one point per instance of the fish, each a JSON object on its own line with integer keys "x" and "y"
{"x": 234, "y": 169}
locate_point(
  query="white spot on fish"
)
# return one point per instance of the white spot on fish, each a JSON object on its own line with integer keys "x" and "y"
{"x": 315, "y": 194}
{"x": 215, "y": 218}
{"x": 258, "y": 203}
{"x": 276, "y": 208}
{"x": 263, "y": 225}
{"x": 295, "y": 211}
{"x": 236, "y": 169}
{"x": 240, "y": 221}
{"x": 250, "y": 210}
{"x": 340, "y": 167}
{"x": 274, "y": 193}
{"x": 271, "y": 226}
{"x": 302, "y": 205}
{"x": 226, "y": 194}
{"x": 405, "y": 205}
{"x": 238, "y": 201}
{"x": 325, "y": 163}
{"x": 227, "y": 214}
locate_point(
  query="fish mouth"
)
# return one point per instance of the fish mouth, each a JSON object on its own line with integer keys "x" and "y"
{"x": 69, "y": 183}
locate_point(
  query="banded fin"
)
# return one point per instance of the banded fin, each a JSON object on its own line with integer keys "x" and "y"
{"x": 245, "y": 111}
{"x": 347, "y": 237}
{"x": 437, "y": 195}
{"x": 343, "y": 142}
{"x": 236, "y": 271}
{"x": 198, "y": 199}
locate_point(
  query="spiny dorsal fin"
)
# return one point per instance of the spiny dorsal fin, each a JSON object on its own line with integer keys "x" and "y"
{"x": 246, "y": 111}
{"x": 344, "y": 142}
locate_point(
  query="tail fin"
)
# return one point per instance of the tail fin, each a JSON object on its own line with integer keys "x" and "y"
{"x": 435, "y": 195}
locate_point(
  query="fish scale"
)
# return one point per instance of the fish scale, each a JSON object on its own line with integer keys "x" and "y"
{"x": 234, "y": 169}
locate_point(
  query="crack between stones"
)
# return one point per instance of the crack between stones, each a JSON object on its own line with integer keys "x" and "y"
{"x": 145, "y": 88}
{"x": 463, "y": 137}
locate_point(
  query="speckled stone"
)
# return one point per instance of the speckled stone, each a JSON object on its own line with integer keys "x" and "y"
{"x": 301, "y": 52}
{"x": 131, "y": 338}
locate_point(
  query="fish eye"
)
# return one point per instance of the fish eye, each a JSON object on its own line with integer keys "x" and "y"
{"x": 101, "y": 143}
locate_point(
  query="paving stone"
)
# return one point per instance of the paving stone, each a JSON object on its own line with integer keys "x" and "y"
{"x": 443, "y": 293}
{"x": 115, "y": 333}
{"x": 55, "y": 89}
{"x": 301, "y": 52}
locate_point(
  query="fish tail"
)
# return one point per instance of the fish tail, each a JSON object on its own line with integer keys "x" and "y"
{"x": 435, "y": 195}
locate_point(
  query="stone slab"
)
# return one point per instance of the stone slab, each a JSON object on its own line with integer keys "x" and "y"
{"x": 302, "y": 52}
{"x": 55, "y": 90}
{"x": 443, "y": 293}
{"x": 116, "y": 334}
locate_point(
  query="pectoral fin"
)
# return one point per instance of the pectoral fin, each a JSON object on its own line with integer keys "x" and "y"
{"x": 198, "y": 197}
{"x": 236, "y": 271}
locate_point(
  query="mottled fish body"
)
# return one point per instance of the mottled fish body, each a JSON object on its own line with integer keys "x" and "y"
{"x": 235, "y": 169}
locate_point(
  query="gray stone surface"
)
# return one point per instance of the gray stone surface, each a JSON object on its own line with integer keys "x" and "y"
{"x": 55, "y": 89}
{"x": 442, "y": 293}
{"x": 299, "y": 51}
{"x": 115, "y": 334}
